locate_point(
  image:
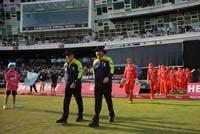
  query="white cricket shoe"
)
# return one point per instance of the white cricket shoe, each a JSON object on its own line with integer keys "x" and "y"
{"x": 4, "y": 107}
{"x": 130, "y": 102}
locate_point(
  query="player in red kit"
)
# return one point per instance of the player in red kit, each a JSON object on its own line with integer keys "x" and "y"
{"x": 188, "y": 75}
{"x": 12, "y": 78}
{"x": 168, "y": 82}
{"x": 176, "y": 75}
{"x": 172, "y": 80}
{"x": 152, "y": 76}
{"x": 181, "y": 80}
{"x": 163, "y": 81}
{"x": 131, "y": 77}
{"x": 158, "y": 79}
{"x": 184, "y": 81}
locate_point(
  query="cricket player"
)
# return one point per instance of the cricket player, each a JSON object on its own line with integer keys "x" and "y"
{"x": 152, "y": 76}
{"x": 181, "y": 80}
{"x": 131, "y": 77}
{"x": 172, "y": 80}
{"x": 163, "y": 81}
{"x": 188, "y": 76}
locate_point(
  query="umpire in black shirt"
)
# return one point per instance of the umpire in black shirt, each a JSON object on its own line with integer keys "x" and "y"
{"x": 73, "y": 87}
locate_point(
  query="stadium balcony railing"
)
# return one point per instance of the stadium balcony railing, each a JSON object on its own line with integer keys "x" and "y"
{"x": 152, "y": 9}
{"x": 129, "y": 42}
{"x": 117, "y": 43}
{"x": 5, "y": 47}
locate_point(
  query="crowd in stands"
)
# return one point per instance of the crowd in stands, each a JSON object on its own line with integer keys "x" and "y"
{"x": 8, "y": 42}
{"x": 147, "y": 34}
{"x": 99, "y": 38}
{"x": 169, "y": 31}
{"x": 64, "y": 40}
{"x": 2, "y": 73}
{"x": 38, "y": 66}
{"x": 23, "y": 68}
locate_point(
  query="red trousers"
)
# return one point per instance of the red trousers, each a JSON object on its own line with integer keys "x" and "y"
{"x": 181, "y": 85}
{"x": 164, "y": 87}
{"x": 153, "y": 87}
{"x": 172, "y": 86}
{"x": 129, "y": 90}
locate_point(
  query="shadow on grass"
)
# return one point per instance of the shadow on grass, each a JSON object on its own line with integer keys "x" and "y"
{"x": 145, "y": 126}
{"x": 39, "y": 110}
{"x": 153, "y": 124}
{"x": 128, "y": 124}
{"x": 136, "y": 127}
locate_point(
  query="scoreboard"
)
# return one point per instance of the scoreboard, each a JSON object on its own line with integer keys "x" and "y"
{"x": 55, "y": 15}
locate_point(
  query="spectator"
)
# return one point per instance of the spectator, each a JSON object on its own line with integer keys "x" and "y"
{"x": 12, "y": 78}
{"x": 43, "y": 77}
{"x": 54, "y": 78}
{"x": 33, "y": 86}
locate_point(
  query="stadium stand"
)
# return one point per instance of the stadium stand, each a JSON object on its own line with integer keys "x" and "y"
{"x": 114, "y": 24}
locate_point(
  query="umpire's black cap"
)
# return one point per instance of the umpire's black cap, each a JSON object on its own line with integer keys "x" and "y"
{"x": 100, "y": 48}
{"x": 69, "y": 52}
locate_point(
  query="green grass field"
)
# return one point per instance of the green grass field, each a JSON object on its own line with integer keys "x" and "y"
{"x": 39, "y": 114}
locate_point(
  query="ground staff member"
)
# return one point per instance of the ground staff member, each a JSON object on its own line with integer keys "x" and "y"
{"x": 73, "y": 87}
{"x": 103, "y": 70}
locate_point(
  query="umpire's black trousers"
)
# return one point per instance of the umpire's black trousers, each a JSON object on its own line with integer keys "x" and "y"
{"x": 68, "y": 94}
{"x": 100, "y": 90}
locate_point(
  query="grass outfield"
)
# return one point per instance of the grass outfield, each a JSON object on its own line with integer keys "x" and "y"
{"x": 39, "y": 114}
